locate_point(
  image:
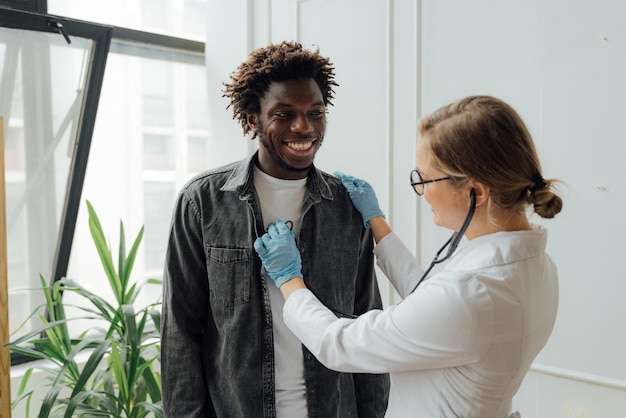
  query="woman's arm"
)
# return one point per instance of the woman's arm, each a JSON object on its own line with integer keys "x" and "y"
{"x": 380, "y": 228}
{"x": 291, "y": 286}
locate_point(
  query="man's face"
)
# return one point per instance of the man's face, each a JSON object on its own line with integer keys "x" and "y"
{"x": 290, "y": 126}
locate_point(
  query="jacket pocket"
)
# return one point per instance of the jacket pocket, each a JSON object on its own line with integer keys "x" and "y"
{"x": 229, "y": 275}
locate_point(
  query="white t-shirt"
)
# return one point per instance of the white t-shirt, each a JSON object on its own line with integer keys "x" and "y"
{"x": 461, "y": 344}
{"x": 282, "y": 199}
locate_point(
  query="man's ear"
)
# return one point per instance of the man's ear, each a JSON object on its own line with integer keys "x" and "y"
{"x": 481, "y": 191}
{"x": 252, "y": 120}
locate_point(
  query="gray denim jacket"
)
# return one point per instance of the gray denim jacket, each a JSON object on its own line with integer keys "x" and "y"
{"x": 217, "y": 353}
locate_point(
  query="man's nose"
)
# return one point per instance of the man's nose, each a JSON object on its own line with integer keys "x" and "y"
{"x": 301, "y": 123}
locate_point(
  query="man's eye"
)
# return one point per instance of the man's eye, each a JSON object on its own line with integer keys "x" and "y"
{"x": 317, "y": 113}
{"x": 281, "y": 114}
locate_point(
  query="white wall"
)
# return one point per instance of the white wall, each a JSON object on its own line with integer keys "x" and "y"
{"x": 560, "y": 63}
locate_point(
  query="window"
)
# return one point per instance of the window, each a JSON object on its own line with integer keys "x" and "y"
{"x": 152, "y": 101}
{"x": 150, "y": 136}
{"x": 49, "y": 88}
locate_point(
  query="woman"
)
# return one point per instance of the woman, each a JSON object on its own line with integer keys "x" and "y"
{"x": 462, "y": 340}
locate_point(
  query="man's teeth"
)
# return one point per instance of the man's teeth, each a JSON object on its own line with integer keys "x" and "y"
{"x": 300, "y": 146}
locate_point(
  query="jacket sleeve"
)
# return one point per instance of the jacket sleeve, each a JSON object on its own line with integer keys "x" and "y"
{"x": 371, "y": 390}
{"x": 184, "y": 315}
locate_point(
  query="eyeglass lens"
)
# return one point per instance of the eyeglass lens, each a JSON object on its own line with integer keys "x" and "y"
{"x": 417, "y": 182}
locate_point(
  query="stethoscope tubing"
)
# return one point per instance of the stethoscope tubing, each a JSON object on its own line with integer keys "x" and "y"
{"x": 453, "y": 241}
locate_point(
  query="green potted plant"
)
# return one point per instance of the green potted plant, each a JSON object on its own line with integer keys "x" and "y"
{"x": 120, "y": 377}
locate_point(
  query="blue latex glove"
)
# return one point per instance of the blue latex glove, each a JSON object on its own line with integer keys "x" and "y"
{"x": 279, "y": 254}
{"x": 362, "y": 195}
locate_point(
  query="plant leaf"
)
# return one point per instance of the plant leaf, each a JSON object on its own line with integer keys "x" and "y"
{"x": 91, "y": 366}
{"x": 116, "y": 363}
{"x": 152, "y": 385}
{"x": 49, "y": 400}
{"x": 131, "y": 325}
{"x": 104, "y": 252}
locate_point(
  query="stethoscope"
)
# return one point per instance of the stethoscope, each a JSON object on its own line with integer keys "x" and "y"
{"x": 452, "y": 243}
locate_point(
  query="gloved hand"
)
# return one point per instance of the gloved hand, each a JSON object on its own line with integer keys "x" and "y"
{"x": 362, "y": 195}
{"x": 279, "y": 254}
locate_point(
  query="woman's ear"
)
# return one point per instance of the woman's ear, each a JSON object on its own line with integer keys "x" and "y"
{"x": 481, "y": 191}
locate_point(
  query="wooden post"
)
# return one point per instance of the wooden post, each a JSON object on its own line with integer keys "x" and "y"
{"x": 5, "y": 356}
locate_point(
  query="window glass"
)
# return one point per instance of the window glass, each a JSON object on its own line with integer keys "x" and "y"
{"x": 180, "y": 18}
{"x": 158, "y": 151}
{"x": 196, "y": 98}
{"x": 42, "y": 84}
{"x": 140, "y": 157}
{"x": 198, "y": 152}
{"x": 157, "y": 82}
{"x": 197, "y": 116}
{"x": 157, "y": 196}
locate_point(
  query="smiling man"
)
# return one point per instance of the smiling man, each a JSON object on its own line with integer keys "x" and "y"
{"x": 226, "y": 351}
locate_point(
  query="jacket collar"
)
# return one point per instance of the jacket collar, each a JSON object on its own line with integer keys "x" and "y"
{"x": 241, "y": 180}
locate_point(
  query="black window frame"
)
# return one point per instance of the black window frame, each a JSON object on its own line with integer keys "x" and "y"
{"x": 101, "y": 36}
{"x": 32, "y": 15}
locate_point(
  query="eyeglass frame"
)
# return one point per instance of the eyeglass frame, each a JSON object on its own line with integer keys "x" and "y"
{"x": 422, "y": 182}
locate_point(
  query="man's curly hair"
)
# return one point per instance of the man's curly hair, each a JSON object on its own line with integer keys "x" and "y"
{"x": 275, "y": 63}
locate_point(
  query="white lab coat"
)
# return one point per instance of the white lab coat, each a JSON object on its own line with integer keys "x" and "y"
{"x": 460, "y": 345}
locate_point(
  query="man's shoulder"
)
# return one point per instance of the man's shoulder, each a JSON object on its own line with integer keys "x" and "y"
{"x": 328, "y": 177}
{"x": 330, "y": 186}
{"x": 212, "y": 177}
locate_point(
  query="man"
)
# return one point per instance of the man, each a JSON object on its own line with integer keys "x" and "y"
{"x": 225, "y": 349}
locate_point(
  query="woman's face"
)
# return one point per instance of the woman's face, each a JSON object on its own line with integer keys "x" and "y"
{"x": 449, "y": 204}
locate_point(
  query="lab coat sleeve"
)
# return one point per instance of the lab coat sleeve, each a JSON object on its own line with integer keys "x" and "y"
{"x": 434, "y": 327}
{"x": 398, "y": 264}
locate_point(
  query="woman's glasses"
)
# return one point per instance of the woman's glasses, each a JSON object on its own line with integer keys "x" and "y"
{"x": 417, "y": 182}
